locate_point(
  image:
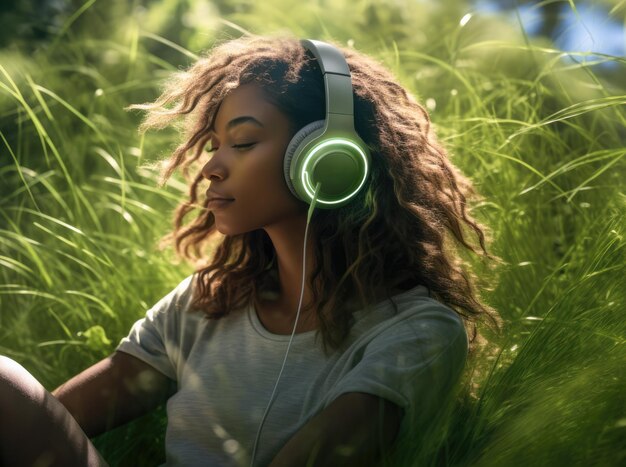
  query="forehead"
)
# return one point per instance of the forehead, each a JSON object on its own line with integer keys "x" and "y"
{"x": 247, "y": 99}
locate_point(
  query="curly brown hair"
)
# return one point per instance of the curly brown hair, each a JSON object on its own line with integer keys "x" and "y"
{"x": 396, "y": 233}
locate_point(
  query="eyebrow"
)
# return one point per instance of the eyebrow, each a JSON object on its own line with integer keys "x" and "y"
{"x": 239, "y": 120}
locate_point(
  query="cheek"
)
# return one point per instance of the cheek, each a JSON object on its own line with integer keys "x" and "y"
{"x": 269, "y": 203}
{"x": 263, "y": 193}
{"x": 266, "y": 182}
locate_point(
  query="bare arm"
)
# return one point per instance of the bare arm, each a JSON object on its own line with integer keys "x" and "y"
{"x": 351, "y": 431}
{"x": 114, "y": 391}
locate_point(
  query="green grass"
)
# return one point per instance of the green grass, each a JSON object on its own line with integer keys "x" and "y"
{"x": 542, "y": 138}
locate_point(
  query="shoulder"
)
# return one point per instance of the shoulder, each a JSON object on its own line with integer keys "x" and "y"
{"x": 417, "y": 321}
{"x": 414, "y": 305}
{"x": 172, "y": 307}
{"x": 411, "y": 355}
{"x": 178, "y": 299}
{"x": 425, "y": 312}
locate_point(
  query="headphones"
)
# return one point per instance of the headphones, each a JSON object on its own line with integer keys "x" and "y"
{"x": 328, "y": 152}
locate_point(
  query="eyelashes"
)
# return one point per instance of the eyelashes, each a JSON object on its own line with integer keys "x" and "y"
{"x": 237, "y": 146}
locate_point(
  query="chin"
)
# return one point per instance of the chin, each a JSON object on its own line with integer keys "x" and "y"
{"x": 231, "y": 230}
{"x": 226, "y": 231}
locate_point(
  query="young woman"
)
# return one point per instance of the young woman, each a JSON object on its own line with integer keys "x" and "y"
{"x": 378, "y": 314}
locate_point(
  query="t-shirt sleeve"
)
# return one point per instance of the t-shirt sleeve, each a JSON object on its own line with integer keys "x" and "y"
{"x": 413, "y": 363}
{"x": 155, "y": 338}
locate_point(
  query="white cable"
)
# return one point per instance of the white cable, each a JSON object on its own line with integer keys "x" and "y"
{"x": 269, "y": 405}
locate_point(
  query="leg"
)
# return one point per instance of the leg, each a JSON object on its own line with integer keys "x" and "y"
{"x": 36, "y": 430}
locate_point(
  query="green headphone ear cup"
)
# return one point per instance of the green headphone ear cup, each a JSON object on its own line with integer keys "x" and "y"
{"x": 340, "y": 163}
{"x": 293, "y": 147}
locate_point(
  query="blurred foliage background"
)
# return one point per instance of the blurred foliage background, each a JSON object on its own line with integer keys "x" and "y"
{"x": 537, "y": 124}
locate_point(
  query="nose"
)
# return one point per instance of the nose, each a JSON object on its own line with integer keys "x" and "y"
{"x": 214, "y": 169}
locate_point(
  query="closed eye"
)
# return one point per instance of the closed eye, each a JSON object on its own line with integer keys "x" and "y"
{"x": 247, "y": 145}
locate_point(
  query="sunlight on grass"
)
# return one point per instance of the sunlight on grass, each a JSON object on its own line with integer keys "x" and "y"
{"x": 542, "y": 138}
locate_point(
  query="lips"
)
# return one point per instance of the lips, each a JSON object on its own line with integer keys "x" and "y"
{"x": 216, "y": 201}
{"x": 213, "y": 196}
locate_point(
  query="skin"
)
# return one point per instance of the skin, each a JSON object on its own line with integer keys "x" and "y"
{"x": 35, "y": 427}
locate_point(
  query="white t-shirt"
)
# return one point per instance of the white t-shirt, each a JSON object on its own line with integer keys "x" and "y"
{"x": 226, "y": 370}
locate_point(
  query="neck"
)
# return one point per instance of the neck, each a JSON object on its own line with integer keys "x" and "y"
{"x": 288, "y": 239}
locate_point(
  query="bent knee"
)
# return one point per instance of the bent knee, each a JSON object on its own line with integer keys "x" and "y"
{"x": 16, "y": 381}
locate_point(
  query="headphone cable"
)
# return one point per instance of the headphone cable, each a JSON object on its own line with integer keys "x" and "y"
{"x": 269, "y": 405}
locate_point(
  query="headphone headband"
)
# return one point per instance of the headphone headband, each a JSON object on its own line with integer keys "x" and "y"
{"x": 337, "y": 80}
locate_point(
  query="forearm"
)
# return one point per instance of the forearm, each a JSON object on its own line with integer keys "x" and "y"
{"x": 328, "y": 450}
{"x": 352, "y": 431}
{"x": 113, "y": 392}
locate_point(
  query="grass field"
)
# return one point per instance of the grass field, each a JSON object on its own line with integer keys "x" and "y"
{"x": 542, "y": 137}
